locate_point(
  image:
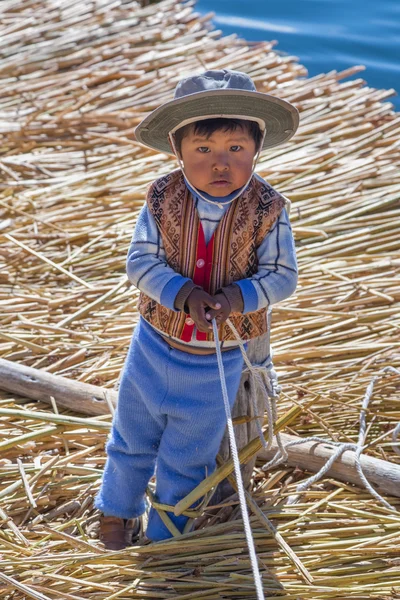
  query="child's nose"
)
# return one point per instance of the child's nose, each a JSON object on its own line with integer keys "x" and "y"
{"x": 221, "y": 162}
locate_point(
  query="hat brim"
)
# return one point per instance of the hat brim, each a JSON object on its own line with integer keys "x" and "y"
{"x": 280, "y": 117}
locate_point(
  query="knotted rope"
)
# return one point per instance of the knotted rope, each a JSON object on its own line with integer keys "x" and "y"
{"x": 260, "y": 377}
{"x": 263, "y": 378}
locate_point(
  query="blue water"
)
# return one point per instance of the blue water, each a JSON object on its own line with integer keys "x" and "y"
{"x": 325, "y": 35}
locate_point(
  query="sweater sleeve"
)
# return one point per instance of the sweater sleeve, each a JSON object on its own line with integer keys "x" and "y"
{"x": 146, "y": 264}
{"x": 276, "y": 278}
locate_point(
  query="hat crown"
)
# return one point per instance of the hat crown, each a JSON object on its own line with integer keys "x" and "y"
{"x": 224, "y": 79}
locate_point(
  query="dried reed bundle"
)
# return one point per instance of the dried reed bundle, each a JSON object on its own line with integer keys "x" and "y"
{"x": 76, "y": 79}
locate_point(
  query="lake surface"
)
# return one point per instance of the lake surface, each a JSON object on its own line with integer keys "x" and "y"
{"x": 325, "y": 35}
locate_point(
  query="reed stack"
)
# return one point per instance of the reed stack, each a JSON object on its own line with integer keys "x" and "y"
{"x": 75, "y": 79}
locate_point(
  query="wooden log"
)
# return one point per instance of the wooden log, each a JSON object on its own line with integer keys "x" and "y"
{"x": 91, "y": 400}
{"x": 311, "y": 456}
{"x": 68, "y": 393}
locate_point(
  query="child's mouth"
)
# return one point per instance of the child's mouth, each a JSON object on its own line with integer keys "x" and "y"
{"x": 220, "y": 182}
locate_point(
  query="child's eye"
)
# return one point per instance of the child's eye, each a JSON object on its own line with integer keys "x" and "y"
{"x": 201, "y": 148}
{"x": 238, "y": 148}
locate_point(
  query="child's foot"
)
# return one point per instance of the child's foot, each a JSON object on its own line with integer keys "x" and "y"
{"x": 117, "y": 533}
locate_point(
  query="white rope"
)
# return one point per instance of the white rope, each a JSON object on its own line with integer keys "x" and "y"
{"x": 265, "y": 379}
{"x": 234, "y": 452}
{"x": 342, "y": 447}
{"x": 395, "y": 435}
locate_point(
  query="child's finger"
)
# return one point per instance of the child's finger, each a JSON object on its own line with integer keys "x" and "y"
{"x": 211, "y": 314}
{"x": 202, "y": 323}
{"x": 211, "y": 302}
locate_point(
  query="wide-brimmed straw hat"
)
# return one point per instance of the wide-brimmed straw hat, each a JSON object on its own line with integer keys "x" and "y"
{"x": 224, "y": 93}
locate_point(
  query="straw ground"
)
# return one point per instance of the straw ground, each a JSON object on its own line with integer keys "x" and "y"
{"x": 75, "y": 80}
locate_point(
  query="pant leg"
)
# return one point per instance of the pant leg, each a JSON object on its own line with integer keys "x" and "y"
{"x": 196, "y": 422}
{"x": 137, "y": 426}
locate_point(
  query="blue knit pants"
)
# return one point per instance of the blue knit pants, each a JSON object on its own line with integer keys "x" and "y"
{"x": 169, "y": 420}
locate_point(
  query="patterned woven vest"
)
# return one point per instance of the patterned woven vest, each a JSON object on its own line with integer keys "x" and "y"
{"x": 230, "y": 255}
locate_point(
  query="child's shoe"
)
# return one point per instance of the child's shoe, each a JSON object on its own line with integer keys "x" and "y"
{"x": 117, "y": 533}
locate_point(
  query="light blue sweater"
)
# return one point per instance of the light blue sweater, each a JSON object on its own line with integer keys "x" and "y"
{"x": 275, "y": 280}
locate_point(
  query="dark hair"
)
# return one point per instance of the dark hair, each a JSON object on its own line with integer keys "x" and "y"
{"x": 207, "y": 127}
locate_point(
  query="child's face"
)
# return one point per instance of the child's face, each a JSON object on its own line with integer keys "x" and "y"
{"x": 220, "y": 164}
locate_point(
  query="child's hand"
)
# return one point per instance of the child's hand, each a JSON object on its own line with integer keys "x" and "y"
{"x": 197, "y": 302}
{"x": 221, "y": 314}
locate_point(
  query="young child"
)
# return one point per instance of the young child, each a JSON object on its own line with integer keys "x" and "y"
{"x": 213, "y": 240}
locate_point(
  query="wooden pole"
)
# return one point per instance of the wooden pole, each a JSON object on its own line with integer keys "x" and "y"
{"x": 93, "y": 400}
{"x": 311, "y": 456}
{"x": 257, "y": 351}
{"x": 68, "y": 393}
